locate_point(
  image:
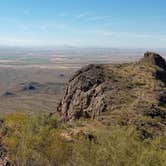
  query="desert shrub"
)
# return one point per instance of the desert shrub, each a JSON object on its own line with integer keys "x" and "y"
{"x": 37, "y": 140}
{"x": 34, "y": 140}
{"x": 120, "y": 146}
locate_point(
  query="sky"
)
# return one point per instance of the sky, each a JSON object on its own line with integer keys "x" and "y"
{"x": 85, "y": 23}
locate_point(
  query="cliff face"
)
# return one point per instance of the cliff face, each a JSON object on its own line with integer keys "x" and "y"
{"x": 84, "y": 96}
{"x": 117, "y": 93}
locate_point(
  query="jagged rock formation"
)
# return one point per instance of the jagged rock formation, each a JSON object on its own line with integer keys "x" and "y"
{"x": 119, "y": 93}
{"x": 84, "y": 94}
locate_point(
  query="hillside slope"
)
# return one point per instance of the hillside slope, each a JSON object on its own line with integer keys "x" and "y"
{"x": 122, "y": 94}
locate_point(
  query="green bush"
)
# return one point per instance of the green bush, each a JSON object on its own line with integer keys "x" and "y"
{"x": 37, "y": 140}
{"x": 120, "y": 146}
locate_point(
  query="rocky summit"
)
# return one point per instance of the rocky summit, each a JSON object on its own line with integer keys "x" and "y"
{"x": 119, "y": 93}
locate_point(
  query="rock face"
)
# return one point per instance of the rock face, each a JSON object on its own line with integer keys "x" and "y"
{"x": 84, "y": 96}
{"x": 117, "y": 93}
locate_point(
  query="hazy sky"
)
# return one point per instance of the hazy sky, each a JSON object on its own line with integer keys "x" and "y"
{"x": 104, "y": 23}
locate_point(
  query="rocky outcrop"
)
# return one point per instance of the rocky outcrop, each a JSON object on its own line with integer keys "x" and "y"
{"x": 84, "y": 95}
{"x": 152, "y": 58}
{"x": 123, "y": 91}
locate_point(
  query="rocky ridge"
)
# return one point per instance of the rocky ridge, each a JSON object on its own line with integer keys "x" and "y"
{"x": 118, "y": 93}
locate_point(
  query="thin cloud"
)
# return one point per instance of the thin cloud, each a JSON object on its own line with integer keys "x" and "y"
{"x": 83, "y": 15}
{"x": 141, "y": 36}
{"x": 108, "y": 33}
{"x": 101, "y": 32}
{"x": 53, "y": 25}
{"x": 91, "y": 17}
{"x": 26, "y": 12}
{"x": 63, "y": 14}
{"x": 24, "y": 27}
{"x": 99, "y": 18}
{"x": 134, "y": 35}
{"x": 15, "y": 41}
{"x": 44, "y": 26}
